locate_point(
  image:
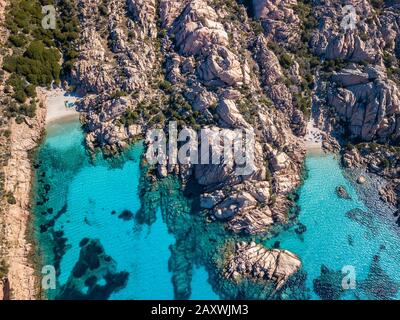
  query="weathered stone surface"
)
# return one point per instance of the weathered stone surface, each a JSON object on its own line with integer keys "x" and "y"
{"x": 281, "y": 23}
{"x": 361, "y": 180}
{"x": 230, "y": 115}
{"x": 254, "y": 261}
{"x": 370, "y": 106}
{"x": 197, "y": 29}
{"x": 221, "y": 67}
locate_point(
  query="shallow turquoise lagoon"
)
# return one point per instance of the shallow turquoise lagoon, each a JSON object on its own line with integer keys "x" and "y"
{"x": 369, "y": 242}
{"x": 96, "y": 200}
{"x": 78, "y": 198}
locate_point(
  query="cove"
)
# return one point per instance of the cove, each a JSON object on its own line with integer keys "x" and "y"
{"x": 341, "y": 232}
{"x": 84, "y": 224}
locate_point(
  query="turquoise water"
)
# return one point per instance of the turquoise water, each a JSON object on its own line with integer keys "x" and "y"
{"x": 86, "y": 198}
{"x": 85, "y": 226}
{"x": 334, "y": 240}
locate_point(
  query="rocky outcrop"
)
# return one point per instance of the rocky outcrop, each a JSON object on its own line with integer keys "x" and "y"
{"x": 115, "y": 68}
{"x": 359, "y": 95}
{"x": 254, "y": 261}
{"x": 342, "y": 193}
{"x": 221, "y": 68}
{"x": 205, "y": 67}
{"x": 279, "y": 19}
{"x": 333, "y": 41}
{"x": 197, "y": 29}
{"x": 18, "y": 182}
{"x": 367, "y": 102}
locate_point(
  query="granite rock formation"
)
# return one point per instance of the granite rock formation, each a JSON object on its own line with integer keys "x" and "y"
{"x": 257, "y": 262}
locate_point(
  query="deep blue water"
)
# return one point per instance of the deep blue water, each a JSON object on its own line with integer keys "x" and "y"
{"x": 78, "y": 197}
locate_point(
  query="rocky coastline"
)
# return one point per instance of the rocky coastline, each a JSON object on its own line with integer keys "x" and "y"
{"x": 222, "y": 65}
{"x": 16, "y": 217}
{"x": 205, "y": 76}
{"x": 19, "y": 280}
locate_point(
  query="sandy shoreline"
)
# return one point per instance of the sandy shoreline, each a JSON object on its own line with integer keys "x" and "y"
{"x": 56, "y": 101}
{"x": 313, "y": 139}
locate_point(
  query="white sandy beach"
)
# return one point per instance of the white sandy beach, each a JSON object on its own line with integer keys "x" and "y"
{"x": 313, "y": 138}
{"x": 56, "y": 108}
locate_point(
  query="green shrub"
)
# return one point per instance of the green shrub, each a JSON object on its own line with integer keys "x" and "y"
{"x": 130, "y": 117}
{"x": 385, "y": 163}
{"x": 17, "y": 40}
{"x": 19, "y": 119}
{"x": 286, "y": 60}
{"x": 20, "y": 96}
{"x": 3, "y": 269}
{"x": 11, "y": 199}
{"x": 118, "y": 94}
{"x": 165, "y": 86}
{"x": 10, "y": 64}
{"x": 30, "y": 91}
{"x": 103, "y": 10}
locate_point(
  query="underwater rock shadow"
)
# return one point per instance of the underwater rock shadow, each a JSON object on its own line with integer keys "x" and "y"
{"x": 93, "y": 266}
{"x": 378, "y": 285}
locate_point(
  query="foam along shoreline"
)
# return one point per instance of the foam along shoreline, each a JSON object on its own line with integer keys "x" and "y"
{"x": 60, "y": 106}
{"x": 313, "y": 139}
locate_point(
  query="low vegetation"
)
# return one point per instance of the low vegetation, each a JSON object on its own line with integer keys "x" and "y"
{"x": 37, "y": 53}
{"x": 3, "y": 268}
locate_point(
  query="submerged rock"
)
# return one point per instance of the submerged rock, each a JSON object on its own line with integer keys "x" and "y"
{"x": 328, "y": 285}
{"x": 126, "y": 215}
{"x": 361, "y": 180}
{"x": 342, "y": 193}
{"x": 92, "y": 266}
{"x": 378, "y": 285}
{"x": 300, "y": 229}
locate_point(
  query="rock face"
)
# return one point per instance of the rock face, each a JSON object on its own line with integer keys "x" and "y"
{"x": 362, "y": 90}
{"x": 279, "y": 19}
{"x": 198, "y": 29}
{"x": 206, "y": 72}
{"x": 111, "y": 70}
{"x": 206, "y": 68}
{"x": 359, "y": 91}
{"x": 368, "y": 102}
{"x": 251, "y": 260}
{"x": 332, "y": 42}
{"x": 21, "y": 279}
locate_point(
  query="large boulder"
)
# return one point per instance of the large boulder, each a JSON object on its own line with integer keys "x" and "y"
{"x": 256, "y": 262}
{"x": 197, "y": 29}
{"x": 279, "y": 19}
{"x": 229, "y": 113}
{"x": 220, "y": 68}
{"x": 368, "y": 102}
